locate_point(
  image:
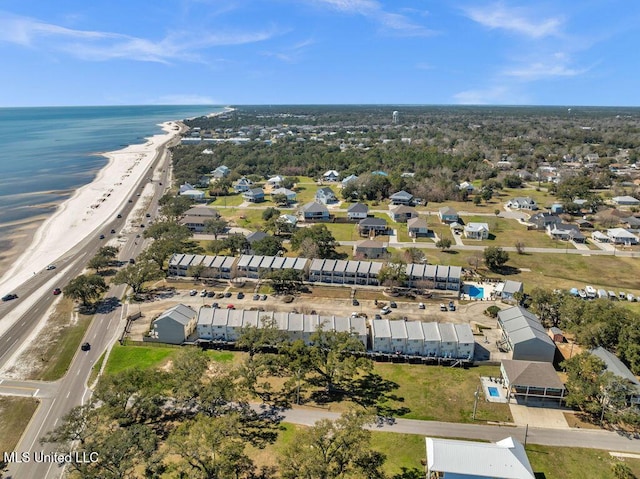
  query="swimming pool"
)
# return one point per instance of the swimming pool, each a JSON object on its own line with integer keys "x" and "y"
{"x": 476, "y": 292}
{"x": 493, "y": 392}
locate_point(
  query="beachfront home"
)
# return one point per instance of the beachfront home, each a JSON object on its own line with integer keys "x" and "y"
{"x": 314, "y": 211}
{"x": 369, "y": 249}
{"x": 448, "y": 215}
{"x": 417, "y": 227}
{"x": 189, "y": 191}
{"x": 478, "y": 231}
{"x": 357, "y": 211}
{"x": 326, "y": 196}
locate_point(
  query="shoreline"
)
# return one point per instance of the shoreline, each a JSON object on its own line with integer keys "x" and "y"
{"x": 87, "y": 210}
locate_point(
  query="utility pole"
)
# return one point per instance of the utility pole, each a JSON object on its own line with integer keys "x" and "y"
{"x": 476, "y": 395}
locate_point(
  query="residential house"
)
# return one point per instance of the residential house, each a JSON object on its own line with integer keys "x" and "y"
{"x": 401, "y": 198}
{"x": 314, "y": 211}
{"x": 174, "y": 326}
{"x": 532, "y": 379}
{"x": 479, "y": 231}
{"x": 375, "y": 226}
{"x": 508, "y": 288}
{"x": 203, "y": 181}
{"x": 326, "y": 196}
{"x": 524, "y": 335}
{"x": 357, "y": 211}
{"x": 621, "y": 236}
{"x": 253, "y": 237}
{"x": 584, "y": 224}
{"x": 221, "y": 172}
{"x": 288, "y": 219}
{"x": 466, "y": 186}
{"x": 566, "y": 232}
{"x": 631, "y": 224}
{"x": 369, "y": 249}
{"x": 331, "y": 175}
{"x": 448, "y": 215}
{"x": 190, "y": 192}
{"x": 402, "y": 213}
{"x": 380, "y": 173}
{"x": 626, "y": 200}
{"x": 275, "y": 181}
{"x": 522, "y": 204}
{"x": 242, "y": 185}
{"x": 505, "y": 459}
{"x": 349, "y": 179}
{"x": 196, "y": 218}
{"x": 417, "y": 227}
{"x": 289, "y": 194}
{"x": 617, "y": 367}
{"x": 254, "y": 195}
{"x": 541, "y": 220}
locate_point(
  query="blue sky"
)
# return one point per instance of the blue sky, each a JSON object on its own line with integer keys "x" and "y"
{"x": 556, "y": 52}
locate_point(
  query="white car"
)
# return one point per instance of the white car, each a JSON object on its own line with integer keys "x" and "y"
{"x": 193, "y": 292}
{"x": 203, "y": 293}
{"x": 50, "y": 267}
{"x": 420, "y": 305}
{"x": 385, "y": 310}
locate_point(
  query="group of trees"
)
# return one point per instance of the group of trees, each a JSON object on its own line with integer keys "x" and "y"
{"x": 195, "y": 418}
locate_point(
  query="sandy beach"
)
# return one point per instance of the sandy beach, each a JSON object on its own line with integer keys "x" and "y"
{"x": 87, "y": 210}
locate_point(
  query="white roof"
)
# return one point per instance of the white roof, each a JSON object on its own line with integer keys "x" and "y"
{"x": 505, "y": 459}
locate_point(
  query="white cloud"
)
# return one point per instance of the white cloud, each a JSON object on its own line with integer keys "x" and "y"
{"x": 97, "y": 45}
{"x": 496, "y": 95}
{"x": 372, "y": 9}
{"x": 518, "y": 20}
{"x": 557, "y": 65}
{"x": 292, "y": 54}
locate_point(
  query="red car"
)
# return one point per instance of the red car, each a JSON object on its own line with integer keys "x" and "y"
{"x": 57, "y": 291}
{"x": 230, "y": 306}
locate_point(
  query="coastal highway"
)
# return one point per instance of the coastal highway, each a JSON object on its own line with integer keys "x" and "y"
{"x": 35, "y": 299}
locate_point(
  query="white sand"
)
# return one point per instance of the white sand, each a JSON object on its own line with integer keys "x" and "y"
{"x": 86, "y": 212}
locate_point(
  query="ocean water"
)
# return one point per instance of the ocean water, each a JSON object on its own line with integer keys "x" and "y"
{"x": 46, "y": 153}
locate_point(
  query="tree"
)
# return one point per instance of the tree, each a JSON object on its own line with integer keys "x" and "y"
{"x": 269, "y": 213}
{"x": 475, "y": 260}
{"x": 161, "y": 250}
{"x": 216, "y": 226}
{"x": 584, "y": 382}
{"x": 414, "y": 255}
{"x": 333, "y": 362}
{"x": 135, "y": 275}
{"x": 393, "y": 274}
{"x": 486, "y": 194}
{"x": 331, "y": 450}
{"x": 320, "y": 236}
{"x": 477, "y": 200}
{"x": 547, "y": 305}
{"x": 172, "y": 207}
{"x": 284, "y": 281}
{"x": 495, "y": 257}
{"x": 98, "y": 262}
{"x": 520, "y": 247}
{"x": 444, "y": 244}
{"x": 512, "y": 181}
{"x": 236, "y": 243}
{"x": 280, "y": 199}
{"x": 267, "y": 246}
{"x": 167, "y": 230}
{"x": 86, "y": 288}
{"x": 196, "y": 271}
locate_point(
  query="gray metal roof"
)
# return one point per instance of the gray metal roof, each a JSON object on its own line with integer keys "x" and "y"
{"x": 180, "y": 313}
{"x": 398, "y": 329}
{"x": 447, "y": 333}
{"x": 614, "y": 365}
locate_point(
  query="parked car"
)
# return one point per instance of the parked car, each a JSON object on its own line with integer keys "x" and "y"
{"x": 211, "y": 294}
{"x": 355, "y": 302}
{"x": 256, "y": 297}
{"x": 393, "y": 304}
{"x": 220, "y": 295}
{"x": 148, "y": 215}
{"x": 113, "y": 232}
{"x": 227, "y": 294}
{"x": 57, "y": 291}
{"x": 9, "y": 297}
{"x": 132, "y": 261}
{"x": 85, "y": 346}
{"x": 385, "y": 310}
{"x": 119, "y": 216}
{"x": 240, "y": 295}
{"x": 263, "y": 297}
{"x": 215, "y": 305}
{"x": 443, "y": 307}
{"x": 193, "y": 292}
{"x": 377, "y": 316}
{"x": 101, "y": 236}
{"x": 421, "y": 306}
{"x": 50, "y": 267}
{"x": 230, "y": 306}
{"x": 203, "y": 293}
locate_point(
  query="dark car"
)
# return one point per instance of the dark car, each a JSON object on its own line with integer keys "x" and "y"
{"x": 101, "y": 236}
{"x": 393, "y": 304}
{"x": 113, "y": 232}
{"x": 57, "y": 291}
{"x": 256, "y": 297}
{"x": 240, "y": 295}
{"x": 119, "y": 216}
{"x": 85, "y": 346}
{"x": 227, "y": 294}
{"x": 211, "y": 294}
{"x": 9, "y": 297}
{"x": 148, "y": 215}
{"x": 132, "y": 261}
{"x": 215, "y": 305}
{"x": 377, "y": 316}
{"x": 142, "y": 226}
{"x": 452, "y": 307}
{"x": 355, "y": 302}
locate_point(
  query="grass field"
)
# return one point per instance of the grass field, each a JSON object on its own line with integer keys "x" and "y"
{"x": 15, "y": 414}
{"x": 506, "y": 232}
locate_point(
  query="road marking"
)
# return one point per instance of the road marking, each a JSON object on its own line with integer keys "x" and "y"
{"x": 36, "y": 393}
{"x": 37, "y": 436}
{"x": 78, "y": 373}
{"x": 68, "y": 394}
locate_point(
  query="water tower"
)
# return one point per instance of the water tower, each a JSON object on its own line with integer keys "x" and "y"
{"x": 395, "y": 117}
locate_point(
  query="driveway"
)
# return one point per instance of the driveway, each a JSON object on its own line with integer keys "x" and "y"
{"x": 549, "y": 418}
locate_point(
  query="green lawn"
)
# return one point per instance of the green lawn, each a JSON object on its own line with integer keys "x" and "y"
{"x": 506, "y": 232}
{"x": 15, "y": 414}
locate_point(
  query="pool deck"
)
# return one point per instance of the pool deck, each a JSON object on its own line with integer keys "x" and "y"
{"x": 489, "y": 383}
